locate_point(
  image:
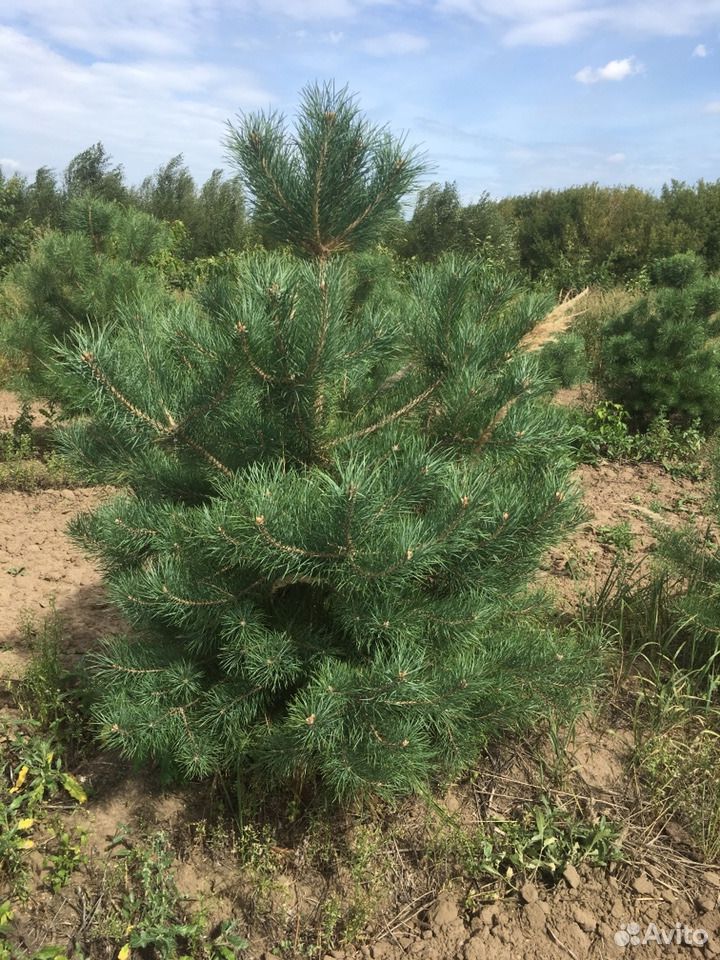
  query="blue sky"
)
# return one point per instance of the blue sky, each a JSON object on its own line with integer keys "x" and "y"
{"x": 504, "y": 96}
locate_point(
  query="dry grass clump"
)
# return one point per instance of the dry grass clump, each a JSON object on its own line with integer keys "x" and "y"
{"x": 557, "y": 322}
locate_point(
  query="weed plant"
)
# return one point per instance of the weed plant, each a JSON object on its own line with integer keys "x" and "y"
{"x": 605, "y": 434}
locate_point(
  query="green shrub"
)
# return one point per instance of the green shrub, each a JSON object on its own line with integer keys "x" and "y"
{"x": 605, "y": 433}
{"x": 564, "y": 361}
{"x": 678, "y": 271}
{"x": 659, "y": 355}
{"x": 80, "y": 276}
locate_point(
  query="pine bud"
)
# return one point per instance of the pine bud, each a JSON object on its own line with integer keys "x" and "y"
{"x": 559, "y": 496}
{"x": 409, "y": 554}
{"x": 405, "y": 743}
{"x": 260, "y": 521}
{"x": 464, "y": 501}
{"x": 506, "y": 516}
{"x": 310, "y": 720}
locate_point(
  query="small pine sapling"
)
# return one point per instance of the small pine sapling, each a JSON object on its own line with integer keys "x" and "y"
{"x": 660, "y": 356}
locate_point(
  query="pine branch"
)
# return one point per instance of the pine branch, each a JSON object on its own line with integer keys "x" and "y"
{"x": 170, "y": 431}
{"x": 386, "y": 420}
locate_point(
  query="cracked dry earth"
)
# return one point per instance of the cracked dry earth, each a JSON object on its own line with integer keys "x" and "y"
{"x": 585, "y": 916}
{"x": 589, "y": 914}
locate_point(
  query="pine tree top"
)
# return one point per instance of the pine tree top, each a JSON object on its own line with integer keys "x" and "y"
{"x": 332, "y": 183}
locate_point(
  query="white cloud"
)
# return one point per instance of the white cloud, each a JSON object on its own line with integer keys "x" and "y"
{"x": 98, "y": 27}
{"x": 614, "y": 70}
{"x": 394, "y": 44}
{"x": 158, "y": 29}
{"x": 700, "y": 51}
{"x": 7, "y": 163}
{"x": 616, "y": 158}
{"x": 548, "y": 22}
{"x": 712, "y": 107}
{"x": 551, "y": 31}
{"x": 302, "y": 9}
{"x": 148, "y": 109}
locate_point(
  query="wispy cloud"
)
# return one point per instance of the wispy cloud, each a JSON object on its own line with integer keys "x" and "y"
{"x": 549, "y": 22}
{"x": 158, "y": 107}
{"x": 614, "y": 70}
{"x": 395, "y": 44}
{"x": 713, "y": 106}
{"x": 700, "y": 51}
{"x": 161, "y": 28}
{"x": 616, "y": 158}
{"x": 303, "y": 9}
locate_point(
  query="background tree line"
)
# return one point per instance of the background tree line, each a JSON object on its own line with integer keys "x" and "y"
{"x": 213, "y": 215}
{"x": 567, "y": 238}
{"x": 581, "y": 235}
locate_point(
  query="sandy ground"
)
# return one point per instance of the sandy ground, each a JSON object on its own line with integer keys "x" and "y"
{"x": 39, "y": 566}
{"x": 643, "y": 496}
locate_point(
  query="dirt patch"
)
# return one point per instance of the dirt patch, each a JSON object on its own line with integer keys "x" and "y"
{"x": 10, "y": 407}
{"x": 430, "y": 909}
{"x": 39, "y": 566}
{"x": 626, "y": 505}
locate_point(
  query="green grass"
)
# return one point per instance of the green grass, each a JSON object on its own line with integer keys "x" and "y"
{"x": 669, "y": 665}
{"x": 27, "y": 459}
{"x": 26, "y": 467}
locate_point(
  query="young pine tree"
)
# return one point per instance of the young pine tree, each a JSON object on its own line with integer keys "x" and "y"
{"x": 103, "y": 258}
{"x": 335, "y": 487}
{"x": 660, "y": 356}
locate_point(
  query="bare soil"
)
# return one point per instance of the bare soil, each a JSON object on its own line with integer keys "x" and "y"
{"x": 645, "y": 497}
{"x": 431, "y": 912}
